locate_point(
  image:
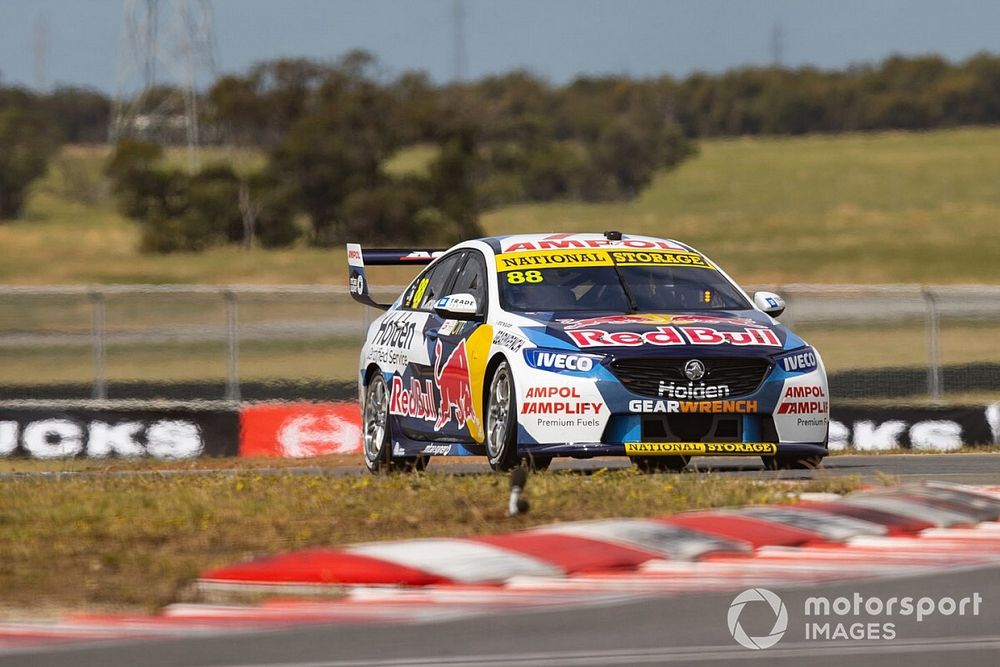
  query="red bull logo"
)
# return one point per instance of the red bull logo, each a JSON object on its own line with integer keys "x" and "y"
{"x": 453, "y": 384}
{"x": 666, "y": 335}
{"x": 656, "y": 320}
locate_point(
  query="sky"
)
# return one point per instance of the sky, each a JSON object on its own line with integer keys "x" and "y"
{"x": 76, "y": 42}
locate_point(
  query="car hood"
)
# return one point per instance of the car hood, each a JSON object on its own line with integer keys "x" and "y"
{"x": 715, "y": 332}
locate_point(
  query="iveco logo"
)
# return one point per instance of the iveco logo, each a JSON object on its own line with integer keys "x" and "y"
{"x": 694, "y": 370}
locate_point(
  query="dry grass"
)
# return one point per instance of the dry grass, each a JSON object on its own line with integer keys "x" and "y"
{"x": 136, "y": 541}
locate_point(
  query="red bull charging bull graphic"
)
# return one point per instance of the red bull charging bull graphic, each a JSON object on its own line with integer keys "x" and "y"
{"x": 416, "y": 398}
{"x": 454, "y": 387}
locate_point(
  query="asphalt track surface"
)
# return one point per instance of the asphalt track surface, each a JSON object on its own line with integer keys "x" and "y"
{"x": 957, "y": 468}
{"x": 651, "y": 630}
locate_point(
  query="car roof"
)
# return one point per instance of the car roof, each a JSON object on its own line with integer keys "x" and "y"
{"x": 570, "y": 241}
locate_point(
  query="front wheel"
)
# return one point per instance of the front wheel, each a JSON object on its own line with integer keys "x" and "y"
{"x": 501, "y": 420}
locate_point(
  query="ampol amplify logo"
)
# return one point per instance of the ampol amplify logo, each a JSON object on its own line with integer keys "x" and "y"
{"x": 774, "y": 606}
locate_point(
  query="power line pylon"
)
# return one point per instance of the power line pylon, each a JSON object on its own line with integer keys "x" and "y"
{"x": 458, "y": 40}
{"x": 166, "y": 45}
{"x": 777, "y": 44}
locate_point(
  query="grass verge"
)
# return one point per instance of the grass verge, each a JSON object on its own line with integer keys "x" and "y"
{"x": 135, "y": 542}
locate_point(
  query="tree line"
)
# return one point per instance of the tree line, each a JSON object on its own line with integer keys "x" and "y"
{"x": 33, "y": 126}
{"x": 329, "y": 130}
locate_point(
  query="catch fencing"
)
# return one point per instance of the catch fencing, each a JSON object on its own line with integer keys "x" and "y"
{"x": 920, "y": 343}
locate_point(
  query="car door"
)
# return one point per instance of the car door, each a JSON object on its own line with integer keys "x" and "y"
{"x": 458, "y": 351}
{"x": 415, "y": 396}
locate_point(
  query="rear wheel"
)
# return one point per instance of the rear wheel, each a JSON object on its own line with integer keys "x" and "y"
{"x": 660, "y": 463}
{"x": 378, "y": 453}
{"x": 377, "y": 447}
{"x": 501, "y": 420}
{"x": 788, "y": 462}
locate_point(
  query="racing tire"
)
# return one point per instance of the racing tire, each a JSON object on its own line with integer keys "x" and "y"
{"x": 501, "y": 420}
{"x": 792, "y": 462}
{"x": 375, "y": 426}
{"x": 651, "y": 464}
{"x": 376, "y": 436}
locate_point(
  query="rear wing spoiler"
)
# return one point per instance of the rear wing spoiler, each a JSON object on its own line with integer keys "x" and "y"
{"x": 357, "y": 258}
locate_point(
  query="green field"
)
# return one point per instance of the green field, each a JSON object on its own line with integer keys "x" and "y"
{"x": 871, "y": 208}
{"x": 863, "y": 208}
{"x": 881, "y": 207}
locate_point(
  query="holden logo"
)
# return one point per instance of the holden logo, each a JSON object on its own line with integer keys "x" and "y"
{"x": 694, "y": 370}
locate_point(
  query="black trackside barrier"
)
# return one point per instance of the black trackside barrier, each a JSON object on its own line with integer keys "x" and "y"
{"x": 170, "y": 433}
{"x": 875, "y": 428}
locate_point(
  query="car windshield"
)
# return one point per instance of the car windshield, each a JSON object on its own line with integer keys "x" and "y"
{"x": 618, "y": 289}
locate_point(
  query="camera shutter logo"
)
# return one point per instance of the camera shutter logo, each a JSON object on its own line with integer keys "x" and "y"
{"x": 694, "y": 370}
{"x": 780, "y": 618}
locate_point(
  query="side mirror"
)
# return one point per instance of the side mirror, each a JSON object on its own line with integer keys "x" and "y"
{"x": 769, "y": 302}
{"x": 458, "y": 307}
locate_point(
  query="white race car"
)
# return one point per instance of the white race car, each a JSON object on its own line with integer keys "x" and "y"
{"x": 522, "y": 348}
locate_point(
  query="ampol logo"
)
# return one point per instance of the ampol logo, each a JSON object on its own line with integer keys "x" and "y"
{"x": 776, "y": 606}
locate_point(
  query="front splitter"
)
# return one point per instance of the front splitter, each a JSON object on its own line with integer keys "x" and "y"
{"x": 588, "y": 449}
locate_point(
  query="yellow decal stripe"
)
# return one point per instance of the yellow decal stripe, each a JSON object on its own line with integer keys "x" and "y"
{"x": 477, "y": 350}
{"x": 419, "y": 294}
{"x": 550, "y": 259}
{"x": 700, "y": 448}
{"x": 657, "y": 258}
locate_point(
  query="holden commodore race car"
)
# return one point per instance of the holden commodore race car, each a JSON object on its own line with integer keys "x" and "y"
{"x": 523, "y": 348}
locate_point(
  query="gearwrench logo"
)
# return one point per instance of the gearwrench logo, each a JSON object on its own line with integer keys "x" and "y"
{"x": 777, "y": 607}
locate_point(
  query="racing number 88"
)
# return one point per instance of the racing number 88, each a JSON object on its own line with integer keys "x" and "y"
{"x": 519, "y": 277}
